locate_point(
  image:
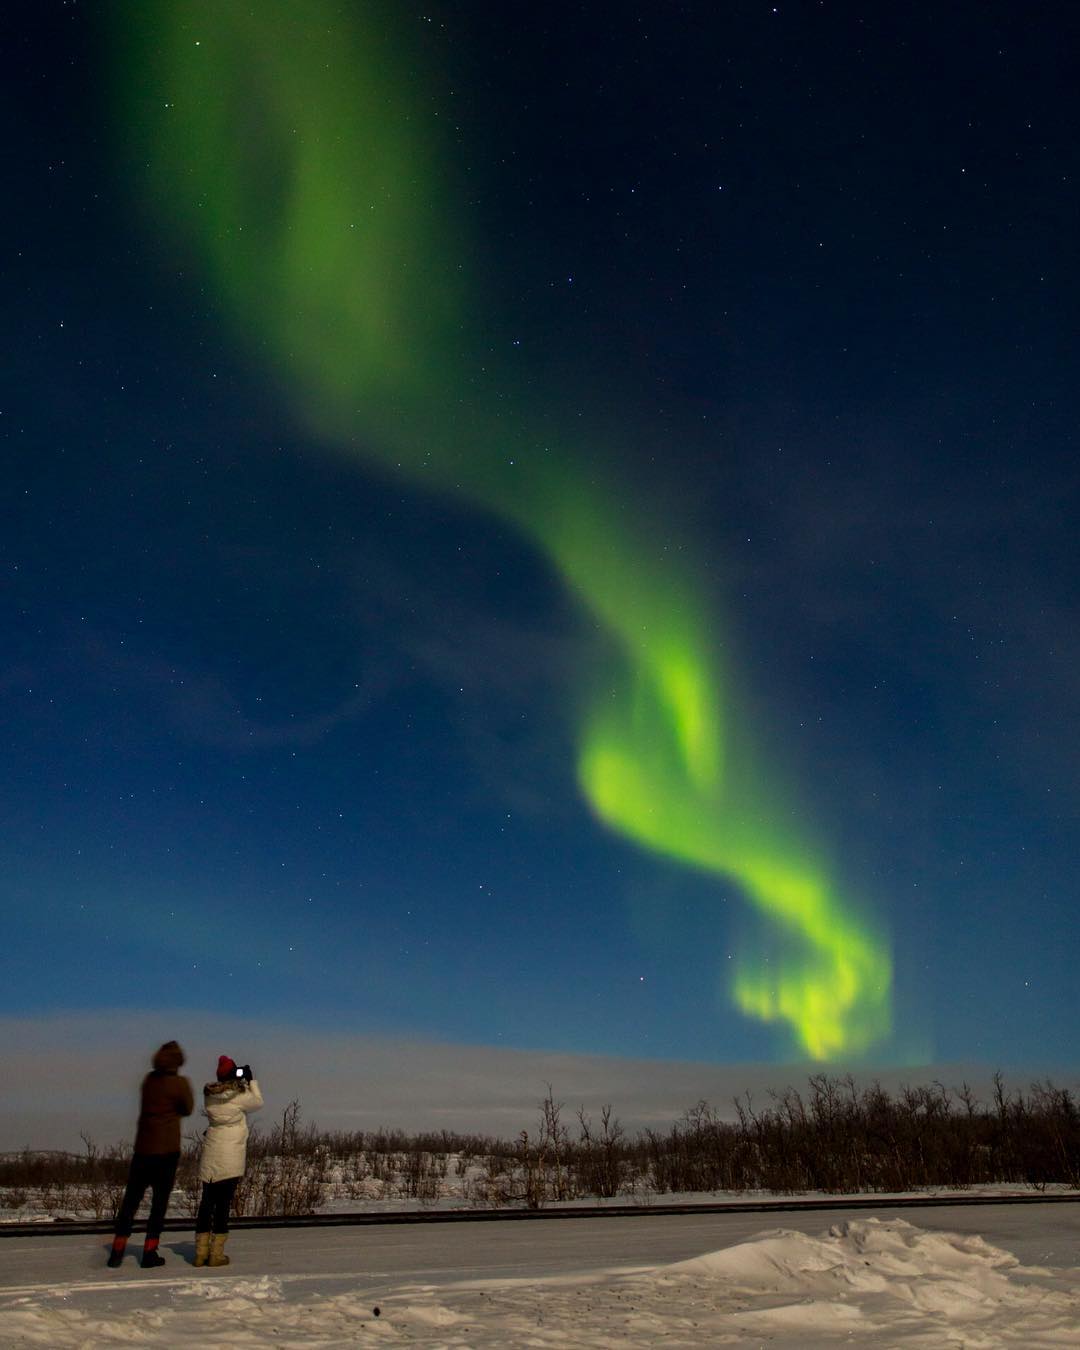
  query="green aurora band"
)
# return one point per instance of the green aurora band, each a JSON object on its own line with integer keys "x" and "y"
{"x": 290, "y": 145}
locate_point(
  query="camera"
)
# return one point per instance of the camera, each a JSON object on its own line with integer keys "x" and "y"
{"x": 243, "y": 1071}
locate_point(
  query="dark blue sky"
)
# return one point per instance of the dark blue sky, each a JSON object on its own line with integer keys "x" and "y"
{"x": 286, "y": 737}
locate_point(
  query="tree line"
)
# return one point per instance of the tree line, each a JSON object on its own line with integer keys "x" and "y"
{"x": 832, "y": 1136}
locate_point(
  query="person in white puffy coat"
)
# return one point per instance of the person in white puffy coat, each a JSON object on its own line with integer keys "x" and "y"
{"x": 227, "y": 1103}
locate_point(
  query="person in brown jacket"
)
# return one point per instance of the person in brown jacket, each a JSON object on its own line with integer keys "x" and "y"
{"x": 166, "y": 1097}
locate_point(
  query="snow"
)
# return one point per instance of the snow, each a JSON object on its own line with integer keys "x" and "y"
{"x": 459, "y": 1191}
{"x": 882, "y": 1281}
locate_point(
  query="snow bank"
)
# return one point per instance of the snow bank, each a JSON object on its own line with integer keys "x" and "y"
{"x": 893, "y": 1280}
{"x": 880, "y": 1282}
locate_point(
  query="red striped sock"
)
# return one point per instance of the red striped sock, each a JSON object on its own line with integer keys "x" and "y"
{"x": 150, "y": 1245}
{"x": 119, "y": 1243}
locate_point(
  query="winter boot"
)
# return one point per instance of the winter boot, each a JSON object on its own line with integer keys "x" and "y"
{"x": 150, "y": 1257}
{"x": 202, "y": 1248}
{"x": 116, "y": 1255}
{"x": 217, "y": 1250}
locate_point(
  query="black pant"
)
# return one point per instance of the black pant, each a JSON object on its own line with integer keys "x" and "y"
{"x": 213, "y": 1215}
{"x": 158, "y": 1171}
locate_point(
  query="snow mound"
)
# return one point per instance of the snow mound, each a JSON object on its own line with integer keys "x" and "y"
{"x": 238, "y": 1291}
{"x": 880, "y": 1274}
{"x": 867, "y": 1254}
{"x": 872, "y": 1282}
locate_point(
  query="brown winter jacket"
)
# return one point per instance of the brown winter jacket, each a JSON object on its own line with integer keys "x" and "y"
{"x": 165, "y": 1098}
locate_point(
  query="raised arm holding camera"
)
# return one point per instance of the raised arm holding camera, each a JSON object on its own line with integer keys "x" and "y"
{"x": 227, "y": 1102}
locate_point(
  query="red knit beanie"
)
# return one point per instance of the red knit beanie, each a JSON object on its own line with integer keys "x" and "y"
{"x": 226, "y": 1068}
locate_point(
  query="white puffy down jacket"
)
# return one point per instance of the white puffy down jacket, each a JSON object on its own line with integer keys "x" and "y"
{"x": 224, "y": 1150}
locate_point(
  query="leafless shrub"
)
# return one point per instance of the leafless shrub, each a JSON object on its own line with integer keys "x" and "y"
{"x": 600, "y": 1165}
{"x": 286, "y": 1170}
{"x": 832, "y": 1136}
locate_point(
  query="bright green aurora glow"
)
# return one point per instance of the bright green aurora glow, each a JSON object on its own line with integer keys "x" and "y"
{"x": 294, "y": 151}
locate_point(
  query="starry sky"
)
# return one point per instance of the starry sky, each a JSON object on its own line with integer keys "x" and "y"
{"x": 551, "y": 531}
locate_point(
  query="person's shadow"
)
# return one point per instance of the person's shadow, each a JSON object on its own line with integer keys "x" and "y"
{"x": 182, "y": 1251}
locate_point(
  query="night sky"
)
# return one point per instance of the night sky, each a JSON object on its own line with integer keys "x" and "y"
{"x": 549, "y": 527}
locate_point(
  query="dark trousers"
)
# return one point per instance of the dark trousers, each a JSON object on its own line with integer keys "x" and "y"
{"x": 213, "y": 1215}
{"x": 158, "y": 1171}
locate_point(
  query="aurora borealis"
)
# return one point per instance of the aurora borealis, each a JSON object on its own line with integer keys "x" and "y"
{"x": 294, "y": 151}
{"x": 552, "y": 532}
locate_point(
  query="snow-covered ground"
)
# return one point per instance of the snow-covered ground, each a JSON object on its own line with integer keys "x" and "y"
{"x": 460, "y": 1190}
{"x": 701, "y": 1280}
